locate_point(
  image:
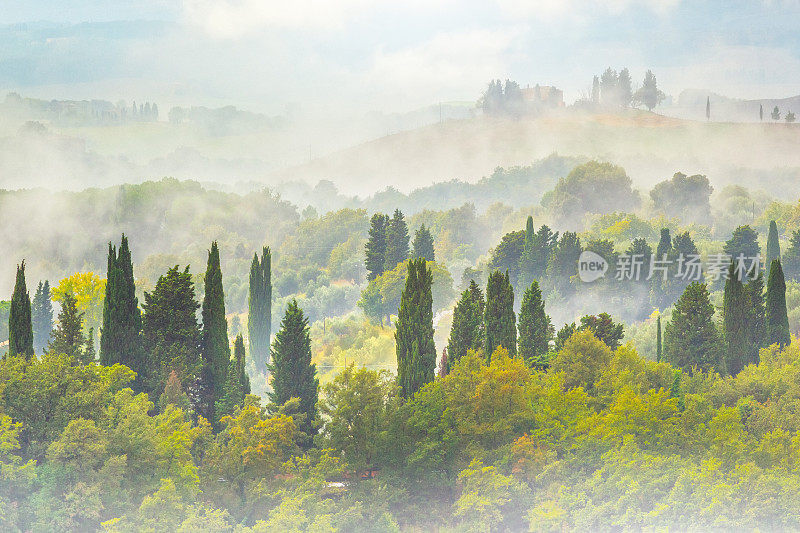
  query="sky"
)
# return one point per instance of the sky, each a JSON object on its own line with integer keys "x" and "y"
{"x": 377, "y": 55}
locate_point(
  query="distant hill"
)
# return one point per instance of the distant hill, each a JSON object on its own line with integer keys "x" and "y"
{"x": 691, "y": 104}
{"x": 650, "y": 146}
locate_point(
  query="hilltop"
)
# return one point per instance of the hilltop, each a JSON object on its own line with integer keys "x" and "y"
{"x": 650, "y": 146}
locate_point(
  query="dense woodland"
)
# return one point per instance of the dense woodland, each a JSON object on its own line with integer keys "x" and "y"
{"x": 235, "y": 363}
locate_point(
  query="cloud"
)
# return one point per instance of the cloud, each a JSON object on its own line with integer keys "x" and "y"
{"x": 230, "y": 19}
{"x": 577, "y": 9}
{"x": 450, "y": 63}
{"x": 236, "y": 18}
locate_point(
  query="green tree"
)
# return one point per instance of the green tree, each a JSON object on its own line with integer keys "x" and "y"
{"x": 691, "y": 338}
{"x": 20, "y": 327}
{"x": 537, "y": 248}
{"x": 375, "y": 260}
{"x": 756, "y": 317}
{"x": 507, "y": 255}
{"x": 259, "y": 316}
{"x": 359, "y": 404}
{"x": 776, "y": 113}
{"x": 500, "y": 322}
{"x": 293, "y": 373}
{"x": 120, "y": 340}
{"x": 563, "y": 263}
{"x": 466, "y": 332}
{"x": 423, "y": 244}
{"x": 171, "y": 333}
{"x": 662, "y": 287}
{"x": 239, "y": 357}
{"x": 659, "y": 349}
{"x": 232, "y": 393}
{"x": 396, "y": 241}
{"x": 68, "y": 336}
{"x": 773, "y": 244}
{"x": 790, "y": 261}
{"x": 535, "y": 329}
{"x": 743, "y": 244}
{"x": 604, "y": 328}
{"x": 649, "y": 95}
{"x": 416, "y": 351}
{"x": 735, "y": 323}
{"x": 215, "y": 349}
{"x": 776, "y": 314}
{"x": 41, "y": 317}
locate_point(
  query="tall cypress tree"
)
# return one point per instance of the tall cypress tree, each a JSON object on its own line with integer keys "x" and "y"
{"x": 237, "y": 384}
{"x": 790, "y": 259}
{"x": 396, "y": 241}
{"x": 691, "y": 338}
{"x": 756, "y": 317}
{"x": 375, "y": 260}
{"x": 416, "y": 351}
{"x": 293, "y": 373}
{"x": 528, "y": 257}
{"x": 20, "y": 327}
{"x": 120, "y": 340}
{"x": 241, "y": 368}
{"x": 499, "y": 319}
{"x": 466, "y": 332}
{"x": 776, "y": 315}
{"x": 215, "y": 348}
{"x": 42, "y": 317}
{"x": 535, "y": 329}
{"x": 662, "y": 288}
{"x": 773, "y": 244}
{"x": 659, "y": 349}
{"x": 735, "y": 323}
{"x": 259, "y": 317}
{"x": 423, "y": 244}
{"x": 171, "y": 333}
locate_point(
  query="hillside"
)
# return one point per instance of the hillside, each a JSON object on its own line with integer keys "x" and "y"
{"x": 650, "y": 146}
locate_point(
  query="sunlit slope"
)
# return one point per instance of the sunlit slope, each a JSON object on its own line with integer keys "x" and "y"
{"x": 650, "y": 146}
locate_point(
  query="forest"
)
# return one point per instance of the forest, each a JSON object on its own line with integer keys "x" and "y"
{"x": 229, "y": 362}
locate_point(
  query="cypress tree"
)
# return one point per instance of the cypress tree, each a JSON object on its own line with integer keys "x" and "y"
{"x": 773, "y": 244}
{"x": 20, "y": 327}
{"x": 89, "y": 354}
{"x": 423, "y": 244}
{"x": 691, "y": 337}
{"x": 171, "y": 333}
{"x": 416, "y": 351}
{"x": 500, "y": 320}
{"x": 662, "y": 289}
{"x": 528, "y": 257}
{"x": 535, "y": 329}
{"x": 735, "y": 329}
{"x": 659, "y": 353}
{"x": 756, "y": 317}
{"x": 215, "y": 348}
{"x": 41, "y": 317}
{"x": 396, "y": 241}
{"x": 293, "y": 373}
{"x": 466, "y": 332}
{"x": 776, "y": 315}
{"x": 241, "y": 368}
{"x": 68, "y": 336}
{"x": 375, "y": 260}
{"x": 259, "y": 317}
{"x": 120, "y": 340}
{"x": 790, "y": 260}
{"x": 231, "y": 394}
